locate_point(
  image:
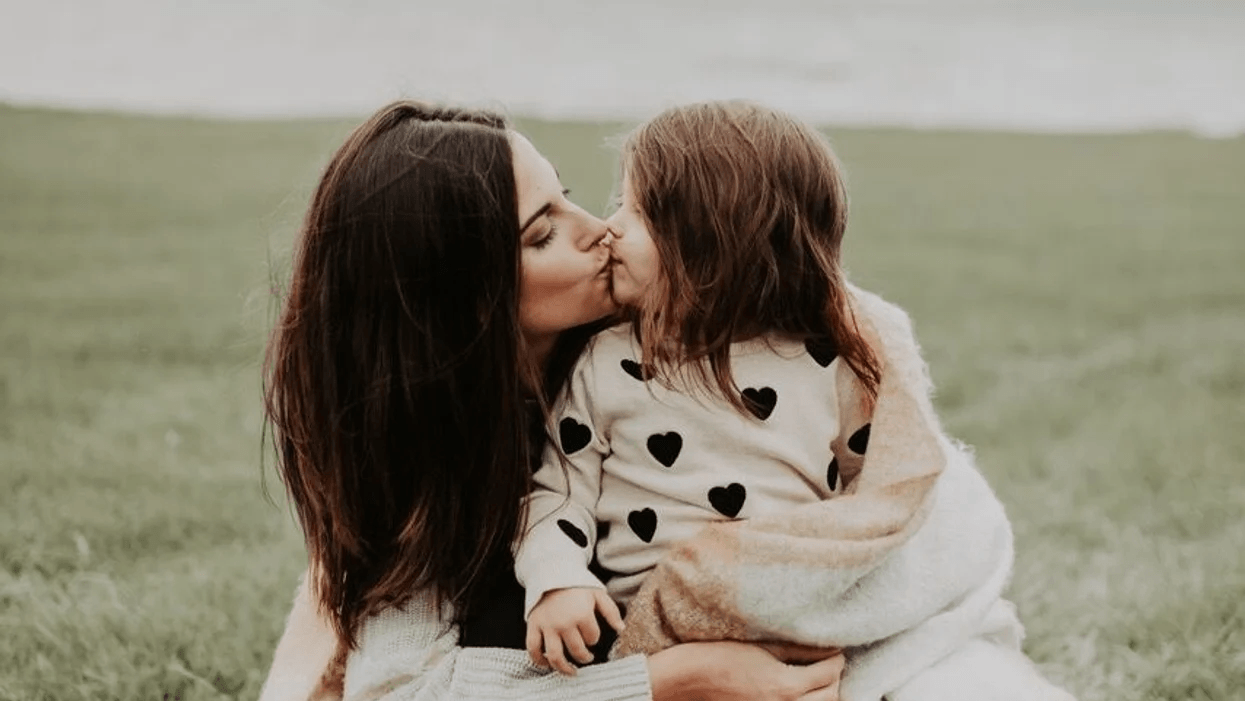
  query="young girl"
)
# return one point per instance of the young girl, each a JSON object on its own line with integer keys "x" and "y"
{"x": 712, "y": 470}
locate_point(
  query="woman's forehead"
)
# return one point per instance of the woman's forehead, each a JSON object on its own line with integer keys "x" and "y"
{"x": 536, "y": 181}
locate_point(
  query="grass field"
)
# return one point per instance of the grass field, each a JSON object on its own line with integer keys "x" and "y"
{"x": 1080, "y": 299}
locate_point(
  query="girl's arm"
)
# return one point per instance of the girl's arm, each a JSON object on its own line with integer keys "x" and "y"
{"x": 561, "y": 533}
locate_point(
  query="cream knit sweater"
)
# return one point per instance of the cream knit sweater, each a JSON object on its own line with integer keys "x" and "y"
{"x": 412, "y": 654}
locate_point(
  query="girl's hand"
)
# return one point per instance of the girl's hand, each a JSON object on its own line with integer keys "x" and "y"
{"x": 564, "y": 620}
{"x": 732, "y": 671}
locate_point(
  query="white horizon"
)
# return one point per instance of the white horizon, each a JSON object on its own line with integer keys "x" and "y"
{"x": 1102, "y": 66}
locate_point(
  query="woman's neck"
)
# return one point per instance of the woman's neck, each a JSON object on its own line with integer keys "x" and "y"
{"x": 539, "y": 348}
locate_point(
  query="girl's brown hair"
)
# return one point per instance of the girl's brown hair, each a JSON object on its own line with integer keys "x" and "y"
{"x": 747, "y": 209}
{"x": 393, "y": 377}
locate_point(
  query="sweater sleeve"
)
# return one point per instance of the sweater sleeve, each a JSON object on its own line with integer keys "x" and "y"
{"x": 412, "y": 654}
{"x": 561, "y": 510}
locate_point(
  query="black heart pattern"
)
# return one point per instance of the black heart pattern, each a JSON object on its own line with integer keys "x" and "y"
{"x": 595, "y": 567}
{"x": 728, "y": 500}
{"x": 822, "y": 350}
{"x": 665, "y": 447}
{"x": 572, "y": 531}
{"x": 760, "y": 402}
{"x": 832, "y": 475}
{"x": 859, "y": 442}
{"x": 644, "y": 523}
{"x": 574, "y": 435}
{"x": 636, "y": 370}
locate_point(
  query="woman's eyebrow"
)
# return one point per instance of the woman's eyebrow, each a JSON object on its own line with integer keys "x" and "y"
{"x": 537, "y": 215}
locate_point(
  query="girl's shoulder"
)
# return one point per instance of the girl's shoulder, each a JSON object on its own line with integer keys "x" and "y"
{"x": 606, "y": 361}
{"x": 611, "y": 346}
{"x": 622, "y": 333}
{"x": 888, "y": 319}
{"x": 889, "y": 330}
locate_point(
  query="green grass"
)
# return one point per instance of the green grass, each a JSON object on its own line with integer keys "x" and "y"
{"x": 1080, "y": 300}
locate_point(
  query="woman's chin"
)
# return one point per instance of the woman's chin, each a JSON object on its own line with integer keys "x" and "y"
{"x": 607, "y": 307}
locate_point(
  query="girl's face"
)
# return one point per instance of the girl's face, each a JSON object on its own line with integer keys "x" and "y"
{"x": 565, "y": 278}
{"x": 634, "y": 255}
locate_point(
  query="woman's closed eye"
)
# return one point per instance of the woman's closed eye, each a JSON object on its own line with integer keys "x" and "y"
{"x": 546, "y": 238}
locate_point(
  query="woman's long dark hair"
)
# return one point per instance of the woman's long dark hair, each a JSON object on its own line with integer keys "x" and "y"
{"x": 392, "y": 378}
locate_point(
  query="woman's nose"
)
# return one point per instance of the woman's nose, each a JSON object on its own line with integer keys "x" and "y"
{"x": 589, "y": 232}
{"x": 596, "y": 234}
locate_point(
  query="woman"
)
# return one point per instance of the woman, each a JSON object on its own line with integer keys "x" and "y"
{"x": 438, "y": 274}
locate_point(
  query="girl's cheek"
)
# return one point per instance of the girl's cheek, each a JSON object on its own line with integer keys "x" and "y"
{"x": 621, "y": 250}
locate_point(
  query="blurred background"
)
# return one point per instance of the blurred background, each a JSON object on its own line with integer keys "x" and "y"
{"x": 1066, "y": 65}
{"x": 1055, "y": 191}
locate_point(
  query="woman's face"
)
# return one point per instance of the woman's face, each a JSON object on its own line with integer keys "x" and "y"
{"x": 636, "y": 264}
{"x": 565, "y": 277}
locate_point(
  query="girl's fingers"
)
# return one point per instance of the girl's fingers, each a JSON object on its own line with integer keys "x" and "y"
{"x": 576, "y": 647}
{"x": 609, "y": 611}
{"x": 589, "y": 630}
{"x": 533, "y": 645}
{"x": 555, "y": 656}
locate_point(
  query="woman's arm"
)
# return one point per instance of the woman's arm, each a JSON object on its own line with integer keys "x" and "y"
{"x": 730, "y": 671}
{"x": 410, "y": 655}
{"x": 711, "y": 671}
{"x": 303, "y": 654}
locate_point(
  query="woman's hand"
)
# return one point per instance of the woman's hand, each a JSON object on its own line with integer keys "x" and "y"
{"x": 733, "y": 671}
